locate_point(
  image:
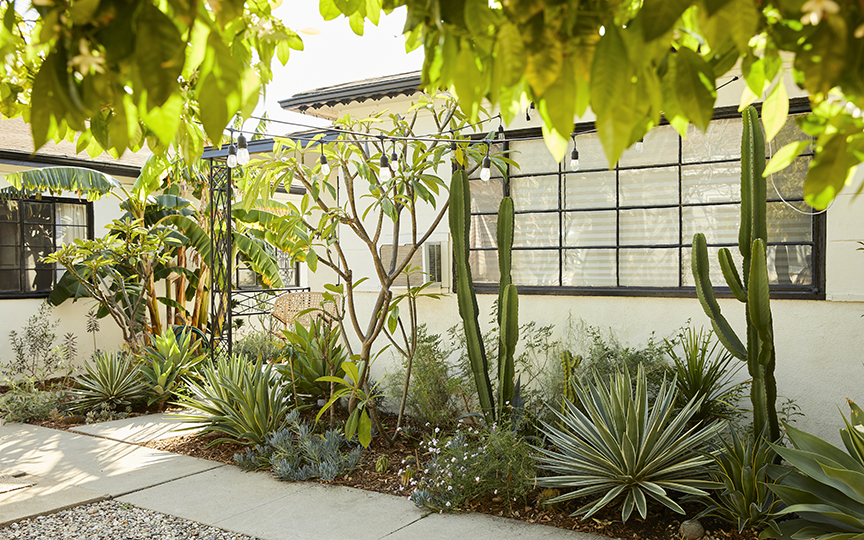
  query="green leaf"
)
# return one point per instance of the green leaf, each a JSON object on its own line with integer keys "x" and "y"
{"x": 831, "y": 169}
{"x": 775, "y": 110}
{"x": 468, "y": 81}
{"x": 544, "y": 62}
{"x": 81, "y": 11}
{"x": 610, "y": 81}
{"x": 312, "y": 260}
{"x": 785, "y": 156}
{"x": 159, "y": 54}
{"x": 557, "y": 108}
{"x": 659, "y": 16}
{"x": 351, "y": 424}
{"x": 364, "y": 429}
{"x": 694, "y": 81}
{"x": 511, "y": 54}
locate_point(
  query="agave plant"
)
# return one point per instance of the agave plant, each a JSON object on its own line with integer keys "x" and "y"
{"x": 826, "y": 488}
{"x": 168, "y": 362}
{"x": 616, "y": 445}
{"x": 113, "y": 381}
{"x": 705, "y": 370}
{"x": 743, "y": 470}
{"x": 241, "y": 399}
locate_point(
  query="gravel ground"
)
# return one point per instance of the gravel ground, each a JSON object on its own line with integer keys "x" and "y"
{"x": 113, "y": 520}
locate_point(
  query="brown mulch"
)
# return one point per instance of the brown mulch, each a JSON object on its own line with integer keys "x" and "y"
{"x": 661, "y": 524}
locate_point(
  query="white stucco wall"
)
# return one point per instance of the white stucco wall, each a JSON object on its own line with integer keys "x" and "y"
{"x": 818, "y": 343}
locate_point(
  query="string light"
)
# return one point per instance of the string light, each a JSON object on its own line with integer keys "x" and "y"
{"x": 243, "y": 150}
{"x": 384, "y": 174}
{"x": 640, "y": 146}
{"x": 325, "y": 167}
{"x": 574, "y": 156}
{"x": 486, "y": 170}
{"x": 232, "y": 156}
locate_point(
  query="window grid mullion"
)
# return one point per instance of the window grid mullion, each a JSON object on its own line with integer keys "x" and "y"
{"x": 680, "y": 217}
{"x": 617, "y": 225}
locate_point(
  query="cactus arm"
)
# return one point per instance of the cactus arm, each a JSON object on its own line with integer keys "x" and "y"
{"x": 753, "y": 196}
{"x": 508, "y": 305}
{"x": 758, "y": 298}
{"x": 705, "y": 292}
{"x": 509, "y": 311}
{"x": 727, "y": 265}
{"x": 460, "y": 219}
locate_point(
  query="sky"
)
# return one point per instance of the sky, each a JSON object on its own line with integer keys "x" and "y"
{"x": 334, "y": 56}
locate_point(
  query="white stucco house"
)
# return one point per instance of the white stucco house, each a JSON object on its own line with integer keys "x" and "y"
{"x": 612, "y": 246}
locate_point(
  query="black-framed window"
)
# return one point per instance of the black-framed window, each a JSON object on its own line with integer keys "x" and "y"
{"x": 629, "y": 230}
{"x": 246, "y": 278}
{"x": 30, "y": 229}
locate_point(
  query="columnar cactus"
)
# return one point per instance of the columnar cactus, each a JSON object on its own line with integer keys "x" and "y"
{"x": 753, "y": 289}
{"x": 508, "y": 301}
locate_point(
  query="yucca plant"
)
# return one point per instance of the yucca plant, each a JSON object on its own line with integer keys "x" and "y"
{"x": 616, "y": 445}
{"x": 705, "y": 371}
{"x": 168, "y": 363}
{"x": 244, "y": 400}
{"x": 742, "y": 470}
{"x": 826, "y": 488}
{"x": 113, "y": 380}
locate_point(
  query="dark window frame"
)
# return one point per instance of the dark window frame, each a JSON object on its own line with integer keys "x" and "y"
{"x": 21, "y": 294}
{"x": 815, "y": 291}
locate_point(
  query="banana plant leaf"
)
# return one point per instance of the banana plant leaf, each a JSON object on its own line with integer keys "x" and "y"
{"x": 56, "y": 180}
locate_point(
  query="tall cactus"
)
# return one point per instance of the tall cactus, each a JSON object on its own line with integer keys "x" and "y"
{"x": 508, "y": 301}
{"x": 752, "y": 290}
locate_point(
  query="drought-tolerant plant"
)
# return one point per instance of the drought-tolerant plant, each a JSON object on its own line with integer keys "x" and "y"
{"x": 824, "y": 489}
{"x": 436, "y": 393}
{"x": 751, "y": 287}
{"x": 606, "y": 356}
{"x": 258, "y": 345}
{"x": 617, "y": 445}
{"x": 474, "y": 462}
{"x": 24, "y": 402}
{"x": 241, "y": 399}
{"x": 36, "y": 355}
{"x": 705, "y": 371}
{"x": 350, "y": 385}
{"x": 111, "y": 380}
{"x": 742, "y": 469}
{"x": 167, "y": 363}
{"x": 296, "y": 453}
{"x": 314, "y": 352}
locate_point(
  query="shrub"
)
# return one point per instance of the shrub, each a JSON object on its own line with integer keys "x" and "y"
{"x": 36, "y": 355}
{"x": 297, "y": 454}
{"x": 112, "y": 381}
{"x": 24, "y": 402}
{"x": 168, "y": 363}
{"x": 315, "y": 352}
{"x": 436, "y": 394}
{"x": 258, "y": 345}
{"x": 705, "y": 371}
{"x": 622, "y": 446}
{"x": 238, "y": 398}
{"x": 742, "y": 470}
{"x": 475, "y": 463}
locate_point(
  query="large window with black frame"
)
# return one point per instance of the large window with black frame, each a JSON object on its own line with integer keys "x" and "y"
{"x": 32, "y": 229}
{"x": 628, "y": 230}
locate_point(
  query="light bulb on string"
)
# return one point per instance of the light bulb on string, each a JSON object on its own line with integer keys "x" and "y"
{"x": 394, "y": 159}
{"x": 574, "y": 155}
{"x": 384, "y": 173}
{"x": 242, "y": 151}
{"x": 232, "y": 156}
{"x": 325, "y": 167}
{"x": 640, "y": 146}
{"x": 486, "y": 169}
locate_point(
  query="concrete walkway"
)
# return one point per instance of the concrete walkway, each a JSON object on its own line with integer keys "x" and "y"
{"x": 100, "y": 461}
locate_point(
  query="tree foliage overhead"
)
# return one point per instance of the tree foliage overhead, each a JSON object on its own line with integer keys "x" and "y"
{"x": 117, "y": 74}
{"x": 633, "y": 61}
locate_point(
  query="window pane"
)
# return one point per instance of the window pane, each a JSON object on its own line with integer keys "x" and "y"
{"x": 660, "y": 147}
{"x": 37, "y": 212}
{"x": 10, "y": 280}
{"x": 9, "y": 234}
{"x": 484, "y": 266}
{"x": 486, "y": 196}
{"x": 534, "y": 267}
{"x": 9, "y": 211}
{"x": 789, "y": 182}
{"x": 649, "y": 267}
{"x": 719, "y": 224}
{"x": 33, "y": 257}
{"x": 534, "y": 193}
{"x": 493, "y": 149}
{"x": 71, "y": 214}
{"x": 589, "y": 268}
{"x": 532, "y": 157}
{"x": 591, "y": 153}
{"x": 38, "y": 280}
{"x": 246, "y": 278}
{"x": 589, "y": 190}
{"x": 722, "y": 141}
{"x": 790, "y": 265}
{"x": 648, "y": 187}
{"x": 713, "y": 183}
{"x": 536, "y": 230}
{"x": 38, "y": 235}
{"x": 67, "y": 235}
{"x": 714, "y": 271}
{"x": 590, "y": 228}
{"x": 484, "y": 230}
{"x": 9, "y": 257}
{"x": 785, "y": 224}
{"x": 789, "y": 133}
{"x": 650, "y": 226}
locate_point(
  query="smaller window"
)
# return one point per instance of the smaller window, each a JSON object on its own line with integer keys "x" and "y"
{"x": 245, "y": 277}
{"x": 29, "y": 231}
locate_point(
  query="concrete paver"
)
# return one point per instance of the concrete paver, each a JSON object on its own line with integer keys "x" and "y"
{"x": 74, "y": 468}
{"x": 138, "y": 430}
